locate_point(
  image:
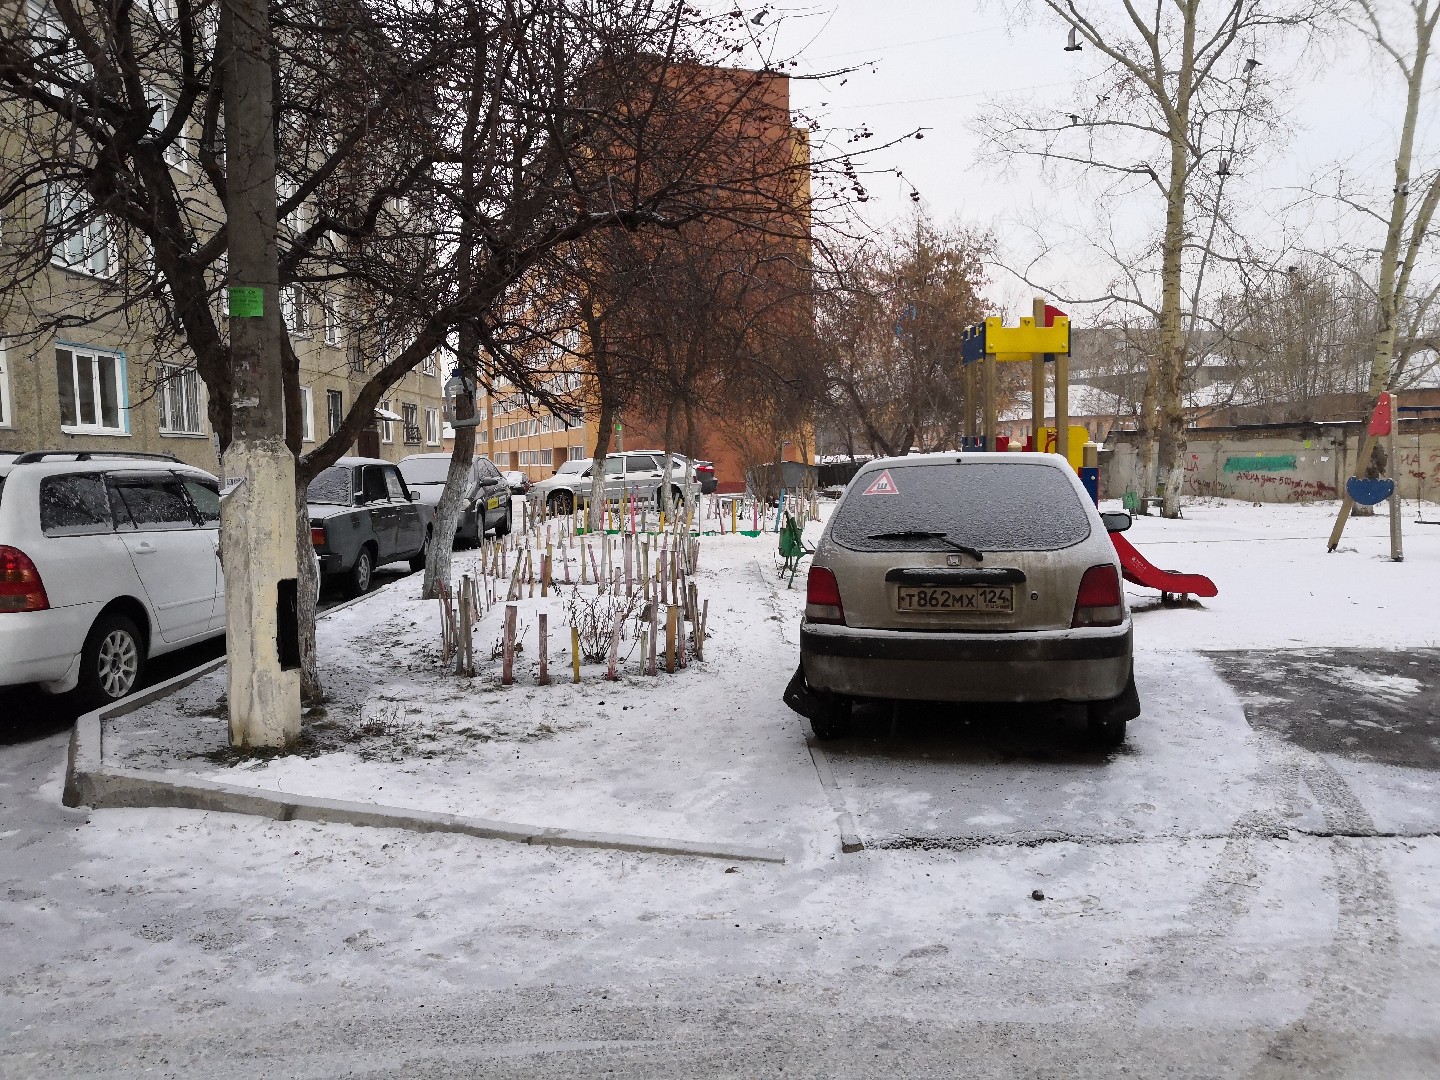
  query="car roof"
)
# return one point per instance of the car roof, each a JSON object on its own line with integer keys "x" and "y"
{"x": 955, "y": 457}
{"x": 351, "y": 462}
{"x": 415, "y": 457}
{"x": 102, "y": 465}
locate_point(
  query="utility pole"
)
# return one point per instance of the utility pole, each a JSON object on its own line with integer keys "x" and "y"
{"x": 258, "y": 514}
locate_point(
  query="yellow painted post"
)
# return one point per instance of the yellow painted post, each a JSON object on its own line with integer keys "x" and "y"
{"x": 990, "y": 412}
{"x": 1062, "y": 405}
{"x": 734, "y": 516}
{"x": 575, "y": 652}
{"x": 1037, "y": 380}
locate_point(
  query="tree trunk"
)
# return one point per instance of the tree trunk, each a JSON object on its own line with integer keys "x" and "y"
{"x": 457, "y": 481}
{"x": 596, "y": 519}
{"x": 307, "y": 586}
{"x": 1171, "y": 380}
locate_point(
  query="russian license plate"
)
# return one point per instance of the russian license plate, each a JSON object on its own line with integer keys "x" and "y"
{"x": 987, "y": 599}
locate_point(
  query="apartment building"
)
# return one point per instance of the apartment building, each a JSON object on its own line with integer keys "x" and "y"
{"x": 518, "y": 436}
{"x": 112, "y": 379}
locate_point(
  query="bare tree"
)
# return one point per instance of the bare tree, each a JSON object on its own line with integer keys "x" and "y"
{"x": 892, "y": 311}
{"x": 1401, "y": 33}
{"x": 1165, "y": 120}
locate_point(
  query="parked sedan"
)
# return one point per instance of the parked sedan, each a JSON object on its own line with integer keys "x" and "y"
{"x": 518, "y": 481}
{"x": 362, "y": 515}
{"x": 486, "y": 498}
{"x": 966, "y": 577}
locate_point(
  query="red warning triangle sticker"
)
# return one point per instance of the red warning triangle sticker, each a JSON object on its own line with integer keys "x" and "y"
{"x": 884, "y": 485}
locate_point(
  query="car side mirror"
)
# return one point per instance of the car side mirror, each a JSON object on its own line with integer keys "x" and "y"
{"x": 414, "y": 497}
{"x": 1115, "y": 520}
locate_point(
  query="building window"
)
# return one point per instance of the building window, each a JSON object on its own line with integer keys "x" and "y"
{"x": 295, "y": 310}
{"x": 50, "y": 37}
{"x": 577, "y": 452}
{"x": 92, "y": 391}
{"x": 332, "y": 319}
{"x": 82, "y": 239}
{"x": 432, "y": 427}
{"x": 502, "y": 460}
{"x": 180, "y": 401}
{"x": 164, "y": 110}
{"x": 428, "y": 366}
{"x": 307, "y": 414}
{"x": 387, "y": 433}
{"x": 411, "y": 413}
{"x": 5, "y": 419}
{"x": 334, "y": 409}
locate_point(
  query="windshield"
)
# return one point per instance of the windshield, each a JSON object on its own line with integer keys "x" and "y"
{"x": 990, "y": 506}
{"x": 426, "y": 470}
{"x": 331, "y": 486}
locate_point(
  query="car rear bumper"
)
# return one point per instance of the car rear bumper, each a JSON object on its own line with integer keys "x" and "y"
{"x": 43, "y": 646}
{"x": 330, "y": 564}
{"x": 1072, "y": 665}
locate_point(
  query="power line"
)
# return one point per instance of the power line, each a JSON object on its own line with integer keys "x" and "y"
{"x": 955, "y": 97}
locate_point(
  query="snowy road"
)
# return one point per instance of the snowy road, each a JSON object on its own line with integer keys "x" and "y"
{"x": 1220, "y": 899}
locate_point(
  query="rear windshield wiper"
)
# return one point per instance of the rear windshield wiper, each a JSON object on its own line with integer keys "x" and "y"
{"x": 920, "y": 534}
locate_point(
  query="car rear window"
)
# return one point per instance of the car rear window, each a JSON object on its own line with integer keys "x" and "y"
{"x": 993, "y": 506}
{"x": 74, "y": 505}
{"x": 425, "y": 470}
{"x": 333, "y": 485}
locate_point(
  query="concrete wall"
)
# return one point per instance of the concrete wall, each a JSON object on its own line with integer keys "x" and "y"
{"x": 1282, "y": 462}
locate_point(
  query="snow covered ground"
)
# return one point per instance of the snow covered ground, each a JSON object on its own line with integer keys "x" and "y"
{"x": 1218, "y": 900}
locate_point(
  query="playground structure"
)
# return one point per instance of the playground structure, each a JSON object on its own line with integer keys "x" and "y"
{"x": 1044, "y": 339}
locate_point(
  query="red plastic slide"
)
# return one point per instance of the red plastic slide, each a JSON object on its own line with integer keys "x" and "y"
{"x": 1138, "y": 570}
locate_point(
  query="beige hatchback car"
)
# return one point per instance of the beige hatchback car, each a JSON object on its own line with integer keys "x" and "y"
{"x": 966, "y": 577}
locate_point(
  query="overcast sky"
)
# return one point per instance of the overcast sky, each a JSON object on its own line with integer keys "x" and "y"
{"x": 935, "y": 63}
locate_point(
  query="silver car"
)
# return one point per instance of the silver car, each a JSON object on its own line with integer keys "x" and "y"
{"x": 966, "y": 577}
{"x": 638, "y": 473}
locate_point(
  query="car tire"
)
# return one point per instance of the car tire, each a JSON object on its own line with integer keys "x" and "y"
{"x": 357, "y": 581}
{"x": 832, "y": 720}
{"x": 1108, "y": 719}
{"x": 417, "y": 561}
{"x": 112, "y": 661}
{"x": 502, "y": 527}
{"x": 562, "y": 502}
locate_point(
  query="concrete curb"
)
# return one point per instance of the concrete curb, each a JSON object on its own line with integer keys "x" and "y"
{"x": 88, "y": 782}
{"x": 850, "y": 841}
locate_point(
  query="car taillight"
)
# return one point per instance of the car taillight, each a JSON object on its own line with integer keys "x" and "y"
{"x": 1099, "y": 602}
{"x": 20, "y": 586}
{"x": 822, "y": 597}
{"x": 317, "y": 535}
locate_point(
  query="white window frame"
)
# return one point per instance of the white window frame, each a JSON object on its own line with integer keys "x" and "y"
{"x": 90, "y": 251}
{"x": 295, "y": 310}
{"x": 339, "y": 415}
{"x": 122, "y": 405}
{"x": 387, "y": 430}
{"x": 432, "y": 427}
{"x": 43, "y": 16}
{"x": 176, "y": 154}
{"x": 428, "y": 365}
{"x": 407, "y": 410}
{"x": 182, "y": 401}
{"x": 331, "y": 317}
{"x": 307, "y": 414}
{"x": 7, "y": 419}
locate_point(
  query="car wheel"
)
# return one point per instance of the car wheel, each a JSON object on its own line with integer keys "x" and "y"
{"x": 357, "y": 583}
{"x": 832, "y": 720}
{"x": 562, "y": 502}
{"x": 502, "y": 527}
{"x": 417, "y": 561}
{"x": 112, "y": 660}
{"x": 1108, "y": 719}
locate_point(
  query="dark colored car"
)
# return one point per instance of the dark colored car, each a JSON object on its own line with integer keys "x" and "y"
{"x": 705, "y": 477}
{"x": 486, "y": 495}
{"x": 362, "y": 515}
{"x": 518, "y": 481}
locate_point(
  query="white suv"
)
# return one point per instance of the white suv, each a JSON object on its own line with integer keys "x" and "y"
{"x": 104, "y": 562}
